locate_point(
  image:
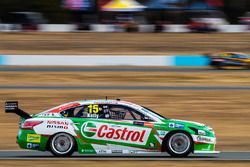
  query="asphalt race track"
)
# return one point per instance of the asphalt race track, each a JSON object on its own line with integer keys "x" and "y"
{"x": 35, "y": 155}
{"x": 114, "y": 69}
{"x": 117, "y": 69}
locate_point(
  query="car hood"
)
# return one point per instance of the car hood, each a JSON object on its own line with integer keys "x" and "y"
{"x": 186, "y": 122}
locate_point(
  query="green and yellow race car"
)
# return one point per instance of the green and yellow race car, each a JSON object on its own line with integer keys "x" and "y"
{"x": 110, "y": 127}
{"x": 229, "y": 60}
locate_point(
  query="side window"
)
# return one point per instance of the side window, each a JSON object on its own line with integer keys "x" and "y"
{"x": 85, "y": 111}
{"x": 103, "y": 111}
{"x": 75, "y": 112}
{"x": 119, "y": 112}
{"x": 242, "y": 56}
{"x": 235, "y": 56}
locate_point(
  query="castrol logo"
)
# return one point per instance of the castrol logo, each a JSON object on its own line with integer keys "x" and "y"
{"x": 116, "y": 133}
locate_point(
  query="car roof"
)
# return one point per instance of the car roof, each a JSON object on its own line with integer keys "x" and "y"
{"x": 109, "y": 101}
{"x": 230, "y": 53}
{"x": 69, "y": 105}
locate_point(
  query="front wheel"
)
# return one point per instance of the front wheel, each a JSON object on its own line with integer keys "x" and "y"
{"x": 179, "y": 144}
{"x": 62, "y": 145}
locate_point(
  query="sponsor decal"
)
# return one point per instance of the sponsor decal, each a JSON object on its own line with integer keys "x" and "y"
{"x": 208, "y": 147}
{"x": 34, "y": 138}
{"x": 162, "y": 133}
{"x": 57, "y": 124}
{"x": 88, "y": 151}
{"x": 201, "y": 132}
{"x": 11, "y": 105}
{"x": 33, "y": 146}
{"x": 49, "y": 114}
{"x": 175, "y": 125}
{"x": 53, "y": 122}
{"x": 93, "y": 115}
{"x": 116, "y": 133}
{"x": 204, "y": 139}
{"x": 102, "y": 151}
{"x": 89, "y": 129}
{"x": 116, "y": 151}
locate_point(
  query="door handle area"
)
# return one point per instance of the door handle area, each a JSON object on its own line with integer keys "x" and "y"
{"x": 138, "y": 123}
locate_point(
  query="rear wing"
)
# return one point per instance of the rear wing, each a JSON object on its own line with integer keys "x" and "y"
{"x": 12, "y": 107}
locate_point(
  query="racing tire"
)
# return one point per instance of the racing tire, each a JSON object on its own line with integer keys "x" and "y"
{"x": 179, "y": 144}
{"x": 62, "y": 145}
{"x": 216, "y": 65}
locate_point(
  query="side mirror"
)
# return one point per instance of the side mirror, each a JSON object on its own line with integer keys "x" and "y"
{"x": 146, "y": 118}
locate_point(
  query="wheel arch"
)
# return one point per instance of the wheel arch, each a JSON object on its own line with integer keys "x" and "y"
{"x": 51, "y": 136}
{"x": 164, "y": 141}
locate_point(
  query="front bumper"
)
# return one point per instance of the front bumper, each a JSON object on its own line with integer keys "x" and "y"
{"x": 204, "y": 144}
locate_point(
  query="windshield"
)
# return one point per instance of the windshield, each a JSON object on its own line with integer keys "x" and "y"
{"x": 153, "y": 113}
{"x": 241, "y": 56}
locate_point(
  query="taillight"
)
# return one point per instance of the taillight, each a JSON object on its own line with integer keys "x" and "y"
{"x": 30, "y": 124}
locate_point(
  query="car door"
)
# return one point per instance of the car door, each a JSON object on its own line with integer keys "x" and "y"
{"x": 234, "y": 60}
{"x": 126, "y": 130}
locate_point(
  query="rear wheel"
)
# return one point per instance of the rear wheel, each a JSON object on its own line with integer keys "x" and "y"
{"x": 179, "y": 144}
{"x": 62, "y": 145}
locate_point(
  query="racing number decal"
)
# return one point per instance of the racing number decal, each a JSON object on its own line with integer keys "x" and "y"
{"x": 93, "y": 109}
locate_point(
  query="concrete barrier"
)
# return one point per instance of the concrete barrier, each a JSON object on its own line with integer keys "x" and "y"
{"x": 57, "y": 27}
{"x": 191, "y": 60}
{"x": 233, "y": 28}
{"x": 103, "y": 60}
{"x": 117, "y": 28}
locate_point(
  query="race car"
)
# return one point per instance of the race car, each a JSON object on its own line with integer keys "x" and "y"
{"x": 109, "y": 127}
{"x": 229, "y": 59}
